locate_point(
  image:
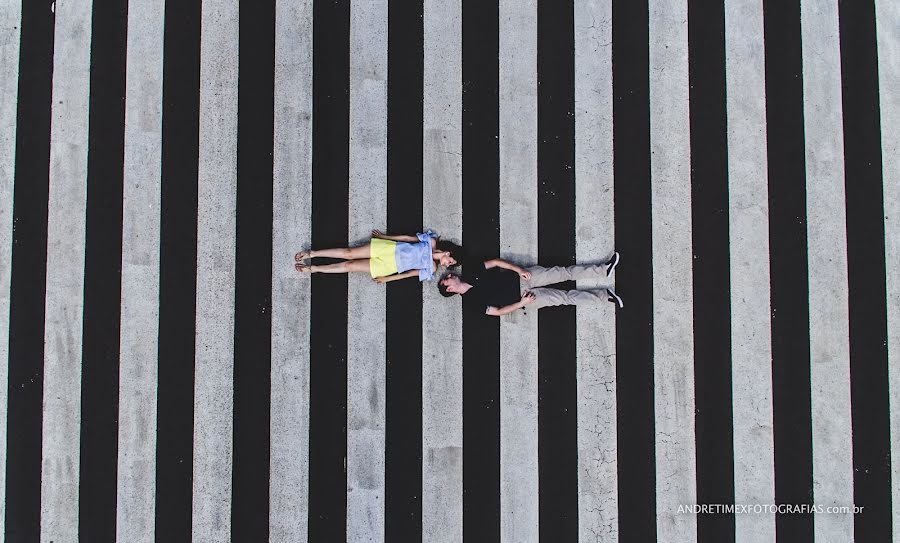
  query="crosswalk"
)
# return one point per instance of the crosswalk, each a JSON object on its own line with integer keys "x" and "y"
{"x": 167, "y": 376}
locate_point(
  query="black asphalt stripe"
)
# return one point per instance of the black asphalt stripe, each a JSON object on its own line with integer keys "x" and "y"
{"x": 328, "y": 301}
{"x": 253, "y": 272}
{"x": 103, "y": 274}
{"x": 557, "y": 359}
{"x": 403, "y": 322}
{"x": 178, "y": 270}
{"x": 866, "y": 261}
{"x": 711, "y": 266}
{"x": 481, "y": 235}
{"x": 788, "y": 267}
{"x": 29, "y": 268}
{"x": 634, "y": 324}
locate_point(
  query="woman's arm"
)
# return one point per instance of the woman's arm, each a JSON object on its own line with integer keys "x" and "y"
{"x": 396, "y": 276}
{"x": 402, "y": 238}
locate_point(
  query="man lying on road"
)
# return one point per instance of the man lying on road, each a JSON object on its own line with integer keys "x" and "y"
{"x": 501, "y": 287}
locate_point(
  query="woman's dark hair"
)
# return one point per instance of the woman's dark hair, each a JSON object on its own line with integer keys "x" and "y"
{"x": 458, "y": 253}
{"x": 443, "y": 289}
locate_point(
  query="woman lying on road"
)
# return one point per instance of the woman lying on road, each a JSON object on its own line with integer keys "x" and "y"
{"x": 387, "y": 258}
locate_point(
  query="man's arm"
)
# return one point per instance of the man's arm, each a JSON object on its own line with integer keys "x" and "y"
{"x": 401, "y": 238}
{"x": 507, "y": 309}
{"x": 500, "y": 263}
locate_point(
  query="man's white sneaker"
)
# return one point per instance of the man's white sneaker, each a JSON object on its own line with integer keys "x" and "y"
{"x": 614, "y": 298}
{"x": 611, "y": 265}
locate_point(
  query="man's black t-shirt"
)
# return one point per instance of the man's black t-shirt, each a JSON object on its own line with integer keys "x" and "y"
{"x": 495, "y": 287}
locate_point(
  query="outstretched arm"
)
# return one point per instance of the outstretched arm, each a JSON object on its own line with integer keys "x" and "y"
{"x": 507, "y": 309}
{"x": 405, "y": 239}
{"x": 500, "y": 263}
{"x": 396, "y": 276}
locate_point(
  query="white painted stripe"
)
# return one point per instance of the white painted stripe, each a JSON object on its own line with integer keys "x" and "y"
{"x": 673, "y": 332}
{"x": 598, "y": 503}
{"x": 366, "y": 299}
{"x": 887, "y": 25}
{"x": 832, "y": 445}
{"x": 138, "y": 338}
{"x": 519, "y": 504}
{"x": 442, "y": 399}
{"x": 214, "y": 343}
{"x": 751, "y": 351}
{"x": 10, "y": 22}
{"x": 827, "y": 253}
{"x": 61, "y": 431}
{"x": 292, "y": 171}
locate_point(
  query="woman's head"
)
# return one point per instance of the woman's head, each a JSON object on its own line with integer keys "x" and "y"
{"x": 452, "y": 254}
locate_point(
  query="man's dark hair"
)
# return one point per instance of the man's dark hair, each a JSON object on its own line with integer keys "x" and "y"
{"x": 443, "y": 289}
{"x": 458, "y": 253}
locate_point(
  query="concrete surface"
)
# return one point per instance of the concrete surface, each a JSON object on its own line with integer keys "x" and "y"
{"x": 60, "y": 439}
{"x": 10, "y": 21}
{"x": 827, "y": 250}
{"x": 139, "y": 330}
{"x": 887, "y": 19}
{"x": 442, "y": 374}
{"x": 518, "y": 243}
{"x": 673, "y": 329}
{"x": 292, "y": 170}
{"x": 368, "y": 209}
{"x": 598, "y": 502}
{"x": 748, "y": 209}
{"x": 217, "y": 194}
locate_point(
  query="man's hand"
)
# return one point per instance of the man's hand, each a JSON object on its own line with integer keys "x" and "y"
{"x": 528, "y": 298}
{"x": 381, "y": 280}
{"x": 500, "y": 263}
{"x": 377, "y": 234}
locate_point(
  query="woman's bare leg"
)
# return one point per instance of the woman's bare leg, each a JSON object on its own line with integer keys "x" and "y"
{"x": 360, "y": 265}
{"x": 347, "y": 253}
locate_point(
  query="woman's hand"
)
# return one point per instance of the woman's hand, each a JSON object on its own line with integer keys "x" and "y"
{"x": 381, "y": 280}
{"x": 377, "y": 234}
{"x": 528, "y": 298}
{"x": 524, "y": 274}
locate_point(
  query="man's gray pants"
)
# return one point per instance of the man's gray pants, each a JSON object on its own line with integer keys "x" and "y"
{"x": 541, "y": 276}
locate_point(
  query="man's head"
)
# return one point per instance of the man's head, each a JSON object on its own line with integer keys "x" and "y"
{"x": 451, "y": 284}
